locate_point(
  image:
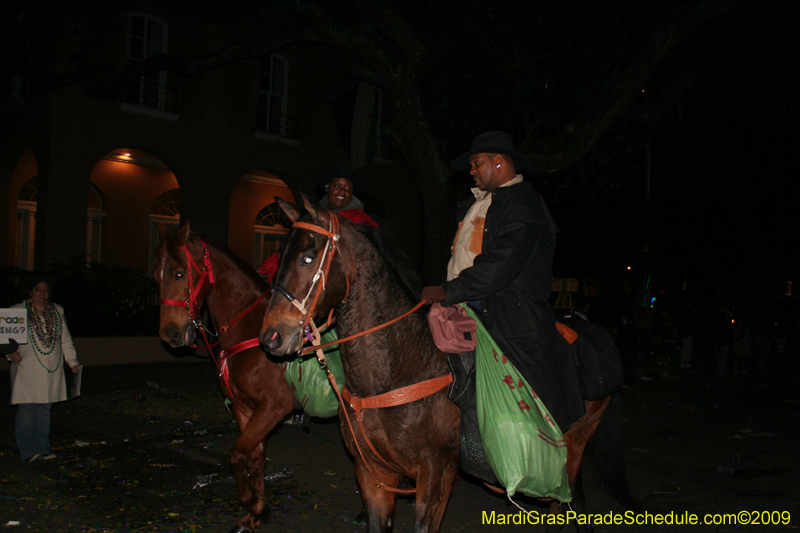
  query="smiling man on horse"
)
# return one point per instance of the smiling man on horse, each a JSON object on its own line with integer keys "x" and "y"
{"x": 501, "y": 265}
{"x": 339, "y": 184}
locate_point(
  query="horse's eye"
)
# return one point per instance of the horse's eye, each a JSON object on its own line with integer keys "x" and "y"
{"x": 179, "y": 275}
{"x": 306, "y": 260}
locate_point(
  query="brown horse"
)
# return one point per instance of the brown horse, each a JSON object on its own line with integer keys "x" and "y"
{"x": 329, "y": 263}
{"x": 191, "y": 272}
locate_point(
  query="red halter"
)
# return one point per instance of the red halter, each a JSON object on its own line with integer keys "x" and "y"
{"x": 205, "y": 273}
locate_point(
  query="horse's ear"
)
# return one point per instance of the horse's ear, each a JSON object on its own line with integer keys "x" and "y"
{"x": 289, "y": 209}
{"x": 183, "y": 233}
{"x": 309, "y": 205}
{"x": 163, "y": 233}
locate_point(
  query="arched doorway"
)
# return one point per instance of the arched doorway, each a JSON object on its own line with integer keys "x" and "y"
{"x": 25, "y": 248}
{"x": 95, "y": 225}
{"x": 138, "y": 192}
{"x": 256, "y": 224}
{"x": 25, "y": 238}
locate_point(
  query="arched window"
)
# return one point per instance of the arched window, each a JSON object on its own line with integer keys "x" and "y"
{"x": 147, "y": 37}
{"x": 272, "y": 226}
{"x": 166, "y": 211}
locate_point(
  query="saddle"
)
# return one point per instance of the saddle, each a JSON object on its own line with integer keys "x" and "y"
{"x": 596, "y": 356}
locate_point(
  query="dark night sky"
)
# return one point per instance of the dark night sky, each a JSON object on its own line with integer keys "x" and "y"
{"x": 723, "y": 207}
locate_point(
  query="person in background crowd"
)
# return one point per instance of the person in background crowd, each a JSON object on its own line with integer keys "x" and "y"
{"x": 723, "y": 333}
{"x": 37, "y": 377}
{"x": 626, "y": 343}
{"x": 763, "y": 331}
{"x": 741, "y": 347}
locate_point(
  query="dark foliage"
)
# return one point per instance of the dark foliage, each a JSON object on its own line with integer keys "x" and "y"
{"x": 98, "y": 300}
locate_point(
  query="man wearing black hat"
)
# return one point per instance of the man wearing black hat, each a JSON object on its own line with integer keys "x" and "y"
{"x": 501, "y": 264}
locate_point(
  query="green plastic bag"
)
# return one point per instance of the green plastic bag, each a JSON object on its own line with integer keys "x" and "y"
{"x": 524, "y": 447}
{"x": 309, "y": 382}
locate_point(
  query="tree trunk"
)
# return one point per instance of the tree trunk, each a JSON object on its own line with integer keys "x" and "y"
{"x": 408, "y": 129}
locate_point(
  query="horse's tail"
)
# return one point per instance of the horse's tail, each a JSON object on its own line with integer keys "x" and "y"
{"x": 606, "y": 452}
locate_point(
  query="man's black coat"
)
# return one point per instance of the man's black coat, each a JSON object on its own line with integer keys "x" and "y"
{"x": 512, "y": 278}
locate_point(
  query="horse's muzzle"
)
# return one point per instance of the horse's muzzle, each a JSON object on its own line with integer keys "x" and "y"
{"x": 280, "y": 340}
{"x": 177, "y": 336}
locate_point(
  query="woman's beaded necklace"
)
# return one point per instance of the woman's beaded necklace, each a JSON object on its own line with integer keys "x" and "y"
{"x": 45, "y": 331}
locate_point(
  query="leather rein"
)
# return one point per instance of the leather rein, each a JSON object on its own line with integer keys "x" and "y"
{"x": 401, "y": 396}
{"x": 206, "y": 275}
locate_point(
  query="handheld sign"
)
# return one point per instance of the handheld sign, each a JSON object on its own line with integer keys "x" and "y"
{"x": 13, "y": 325}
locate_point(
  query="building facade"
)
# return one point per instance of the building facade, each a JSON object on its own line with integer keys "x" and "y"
{"x": 94, "y": 176}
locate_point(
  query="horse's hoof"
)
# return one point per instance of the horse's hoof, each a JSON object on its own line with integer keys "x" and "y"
{"x": 265, "y": 515}
{"x": 361, "y": 518}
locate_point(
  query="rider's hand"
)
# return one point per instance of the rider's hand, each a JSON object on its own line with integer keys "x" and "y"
{"x": 434, "y": 294}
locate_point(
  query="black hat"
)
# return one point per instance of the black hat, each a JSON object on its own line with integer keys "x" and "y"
{"x": 493, "y": 142}
{"x": 341, "y": 171}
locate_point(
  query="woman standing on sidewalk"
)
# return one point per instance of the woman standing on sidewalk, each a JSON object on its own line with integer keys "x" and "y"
{"x": 37, "y": 378}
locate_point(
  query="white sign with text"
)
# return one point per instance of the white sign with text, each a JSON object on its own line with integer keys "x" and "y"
{"x": 13, "y": 325}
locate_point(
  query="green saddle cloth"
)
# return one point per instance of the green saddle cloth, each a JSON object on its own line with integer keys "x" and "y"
{"x": 309, "y": 382}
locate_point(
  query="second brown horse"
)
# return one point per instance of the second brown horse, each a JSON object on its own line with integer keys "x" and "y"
{"x": 191, "y": 272}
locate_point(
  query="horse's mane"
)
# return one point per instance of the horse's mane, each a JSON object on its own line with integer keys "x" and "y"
{"x": 398, "y": 262}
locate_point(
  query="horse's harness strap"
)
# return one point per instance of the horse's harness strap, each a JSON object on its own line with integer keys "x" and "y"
{"x": 176, "y": 303}
{"x": 309, "y": 349}
{"x": 205, "y": 273}
{"x": 239, "y": 347}
{"x": 227, "y": 326}
{"x": 378, "y": 484}
{"x": 401, "y": 396}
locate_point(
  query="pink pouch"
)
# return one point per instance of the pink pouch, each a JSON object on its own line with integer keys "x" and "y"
{"x": 453, "y": 330}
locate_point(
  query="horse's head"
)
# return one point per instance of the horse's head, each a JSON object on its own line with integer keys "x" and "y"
{"x": 183, "y": 285}
{"x": 311, "y": 278}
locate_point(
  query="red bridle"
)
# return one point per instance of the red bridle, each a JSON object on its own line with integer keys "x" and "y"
{"x": 205, "y": 274}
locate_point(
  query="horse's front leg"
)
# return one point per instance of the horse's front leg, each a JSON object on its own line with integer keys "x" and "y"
{"x": 247, "y": 462}
{"x": 434, "y": 484}
{"x": 240, "y": 459}
{"x": 378, "y": 503}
